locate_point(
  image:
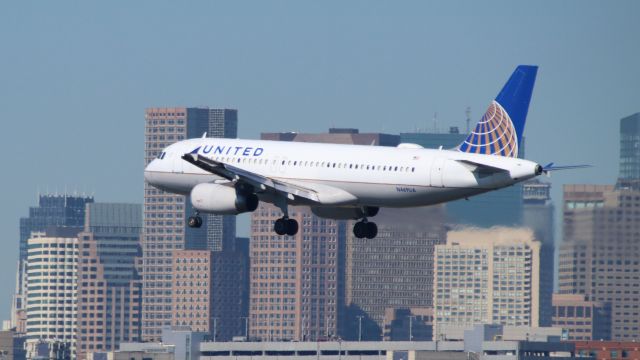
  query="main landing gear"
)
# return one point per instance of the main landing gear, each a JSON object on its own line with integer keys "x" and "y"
{"x": 365, "y": 229}
{"x": 194, "y": 221}
{"x": 285, "y": 226}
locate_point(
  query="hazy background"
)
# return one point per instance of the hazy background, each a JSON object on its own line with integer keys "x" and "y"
{"x": 75, "y": 78}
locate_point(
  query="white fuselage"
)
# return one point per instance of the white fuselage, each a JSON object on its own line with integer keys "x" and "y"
{"x": 345, "y": 175}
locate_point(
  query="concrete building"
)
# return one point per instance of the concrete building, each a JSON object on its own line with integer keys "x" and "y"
{"x": 608, "y": 350}
{"x": 482, "y": 343}
{"x": 52, "y": 210}
{"x": 487, "y": 276}
{"x": 393, "y": 270}
{"x": 295, "y": 293}
{"x": 11, "y": 345}
{"x": 52, "y": 278}
{"x": 109, "y": 284}
{"x": 201, "y": 274}
{"x": 48, "y": 349}
{"x": 414, "y": 324}
{"x": 178, "y": 343}
{"x": 537, "y": 214}
{"x": 496, "y": 208}
{"x": 582, "y": 319}
{"x": 192, "y": 299}
{"x": 600, "y": 256}
{"x": 164, "y": 228}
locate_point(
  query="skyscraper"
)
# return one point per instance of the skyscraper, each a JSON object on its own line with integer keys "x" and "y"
{"x": 109, "y": 284}
{"x": 164, "y": 227}
{"x": 600, "y": 253}
{"x": 537, "y": 214}
{"x": 393, "y": 271}
{"x": 630, "y": 148}
{"x": 192, "y": 299}
{"x": 52, "y": 210}
{"x": 295, "y": 290}
{"x": 52, "y": 277}
{"x": 486, "y": 277}
{"x": 496, "y": 208}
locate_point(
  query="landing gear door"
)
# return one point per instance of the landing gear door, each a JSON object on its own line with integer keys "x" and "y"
{"x": 437, "y": 168}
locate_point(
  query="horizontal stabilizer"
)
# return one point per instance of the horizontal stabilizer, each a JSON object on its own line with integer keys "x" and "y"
{"x": 481, "y": 168}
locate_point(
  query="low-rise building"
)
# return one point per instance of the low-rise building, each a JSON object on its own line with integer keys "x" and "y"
{"x": 608, "y": 350}
{"x": 582, "y": 319}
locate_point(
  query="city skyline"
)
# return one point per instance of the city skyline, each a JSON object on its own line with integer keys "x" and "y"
{"x": 380, "y": 85}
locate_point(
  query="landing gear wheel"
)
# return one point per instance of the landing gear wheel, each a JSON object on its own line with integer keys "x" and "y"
{"x": 360, "y": 230}
{"x": 280, "y": 226}
{"x": 292, "y": 227}
{"x": 371, "y": 230}
{"x": 367, "y": 230}
{"x": 194, "y": 221}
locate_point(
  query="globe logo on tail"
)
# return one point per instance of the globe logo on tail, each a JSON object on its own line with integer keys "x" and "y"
{"x": 493, "y": 135}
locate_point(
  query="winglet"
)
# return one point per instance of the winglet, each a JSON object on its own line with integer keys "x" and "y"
{"x": 195, "y": 151}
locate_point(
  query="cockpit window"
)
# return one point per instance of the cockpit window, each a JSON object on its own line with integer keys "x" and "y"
{"x": 162, "y": 155}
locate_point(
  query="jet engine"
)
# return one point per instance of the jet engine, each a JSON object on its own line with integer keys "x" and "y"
{"x": 222, "y": 200}
{"x": 345, "y": 213}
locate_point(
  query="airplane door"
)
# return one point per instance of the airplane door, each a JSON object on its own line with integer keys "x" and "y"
{"x": 437, "y": 168}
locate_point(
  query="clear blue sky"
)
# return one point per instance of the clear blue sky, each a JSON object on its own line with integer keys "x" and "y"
{"x": 75, "y": 78}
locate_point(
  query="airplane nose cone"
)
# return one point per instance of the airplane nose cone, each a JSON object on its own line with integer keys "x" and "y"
{"x": 149, "y": 172}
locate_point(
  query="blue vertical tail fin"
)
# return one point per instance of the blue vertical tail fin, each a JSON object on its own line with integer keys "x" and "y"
{"x": 500, "y": 130}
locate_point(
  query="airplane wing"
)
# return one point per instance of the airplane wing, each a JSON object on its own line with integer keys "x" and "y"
{"x": 258, "y": 181}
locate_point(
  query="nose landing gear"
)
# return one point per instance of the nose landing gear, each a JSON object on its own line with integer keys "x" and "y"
{"x": 194, "y": 221}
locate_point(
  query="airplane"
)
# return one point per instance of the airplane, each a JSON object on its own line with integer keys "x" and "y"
{"x": 231, "y": 176}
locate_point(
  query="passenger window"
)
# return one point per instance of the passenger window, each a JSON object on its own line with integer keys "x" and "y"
{"x": 413, "y": 169}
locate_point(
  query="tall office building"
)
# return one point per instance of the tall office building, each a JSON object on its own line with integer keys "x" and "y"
{"x": 164, "y": 228}
{"x": 630, "y": 148}
{"x": 210, "y": 292}
{"x": 600, "y": 253}
{"x": 537, "y": 214}
{"x": 52, "y": 278}
{"x": 295, "y": 289}
{"x": 52, "y": 210}
{"x": 392, "y": 271}
{"x": 496, "y": 208}
{"x": 191, "y": 290}
{"x": 486, "y": 277}
{"x": 109, "y": 284}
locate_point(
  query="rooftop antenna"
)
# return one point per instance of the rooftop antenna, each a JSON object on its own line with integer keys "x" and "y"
{"x": 435, "y": 122}
{"x": 468, "y": 113}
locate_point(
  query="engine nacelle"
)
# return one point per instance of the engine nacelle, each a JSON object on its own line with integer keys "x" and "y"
{"x": 345, "y": 213}
{"x": 222, "y": 200}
